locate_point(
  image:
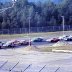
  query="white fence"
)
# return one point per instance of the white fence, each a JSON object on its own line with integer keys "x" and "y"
{"x": 35, "y": 29}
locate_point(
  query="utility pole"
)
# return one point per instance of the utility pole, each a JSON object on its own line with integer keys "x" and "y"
{"x": 29, "y": 26}
{"x": 63, "y": 24}
{"x": 29, "y": 31}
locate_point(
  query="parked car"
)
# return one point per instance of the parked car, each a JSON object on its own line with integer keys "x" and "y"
{"x": 39, "y": 39}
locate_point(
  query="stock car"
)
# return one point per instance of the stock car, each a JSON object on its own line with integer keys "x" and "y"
{"x": 38, "y": 39}
{"x": 11, "y": 43}
{"x": 66, "y": 38}
{"x": 53, "y": 40}
{"x": 62, "y": 38}
{"x": 69, "y": 38}
{"x": 23, "y": 42}
{"x": 1, "y": 44}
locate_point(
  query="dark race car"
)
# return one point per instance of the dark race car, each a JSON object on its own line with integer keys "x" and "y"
{"x": 23, "y": 42}
{"x": 54, "y": 40}
{"x": 0, "y": 45}
{"x": 39, "y": 39}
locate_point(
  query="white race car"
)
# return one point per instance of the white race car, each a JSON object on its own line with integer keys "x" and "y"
{"x": 64, "y": 37}
{"x": 11, "y": 43}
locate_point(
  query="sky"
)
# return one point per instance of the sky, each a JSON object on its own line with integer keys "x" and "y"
{"x": 56, "y": 1}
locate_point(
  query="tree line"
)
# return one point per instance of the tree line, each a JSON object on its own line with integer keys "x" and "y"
{"x": 40, "y": 14}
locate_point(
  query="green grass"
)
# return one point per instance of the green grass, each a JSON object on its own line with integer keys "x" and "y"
{"x": 49, "y": 34}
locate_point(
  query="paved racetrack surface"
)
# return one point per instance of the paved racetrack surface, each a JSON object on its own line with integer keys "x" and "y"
{"x": 18, "y": 60}
{"x": 22, "y": 60}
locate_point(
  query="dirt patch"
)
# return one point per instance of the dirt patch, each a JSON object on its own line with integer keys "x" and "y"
{"x": 66, "y": 47}
{"x": 35, "y": 48}
{"x": 47, "y": 49}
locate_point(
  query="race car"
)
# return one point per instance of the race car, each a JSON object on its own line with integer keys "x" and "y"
{"x": 1, "y": 44}
{"x": 66, "y": 38}
{"x": 53, "y": 40}
{"x": 38, "y": 39}
{"x": 69, "y": 39}
{"x": 23, "y": 42}
{"x": 11, "y": 43}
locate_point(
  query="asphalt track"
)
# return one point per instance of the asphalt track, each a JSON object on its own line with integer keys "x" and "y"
{"x": 19, "y": 60}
